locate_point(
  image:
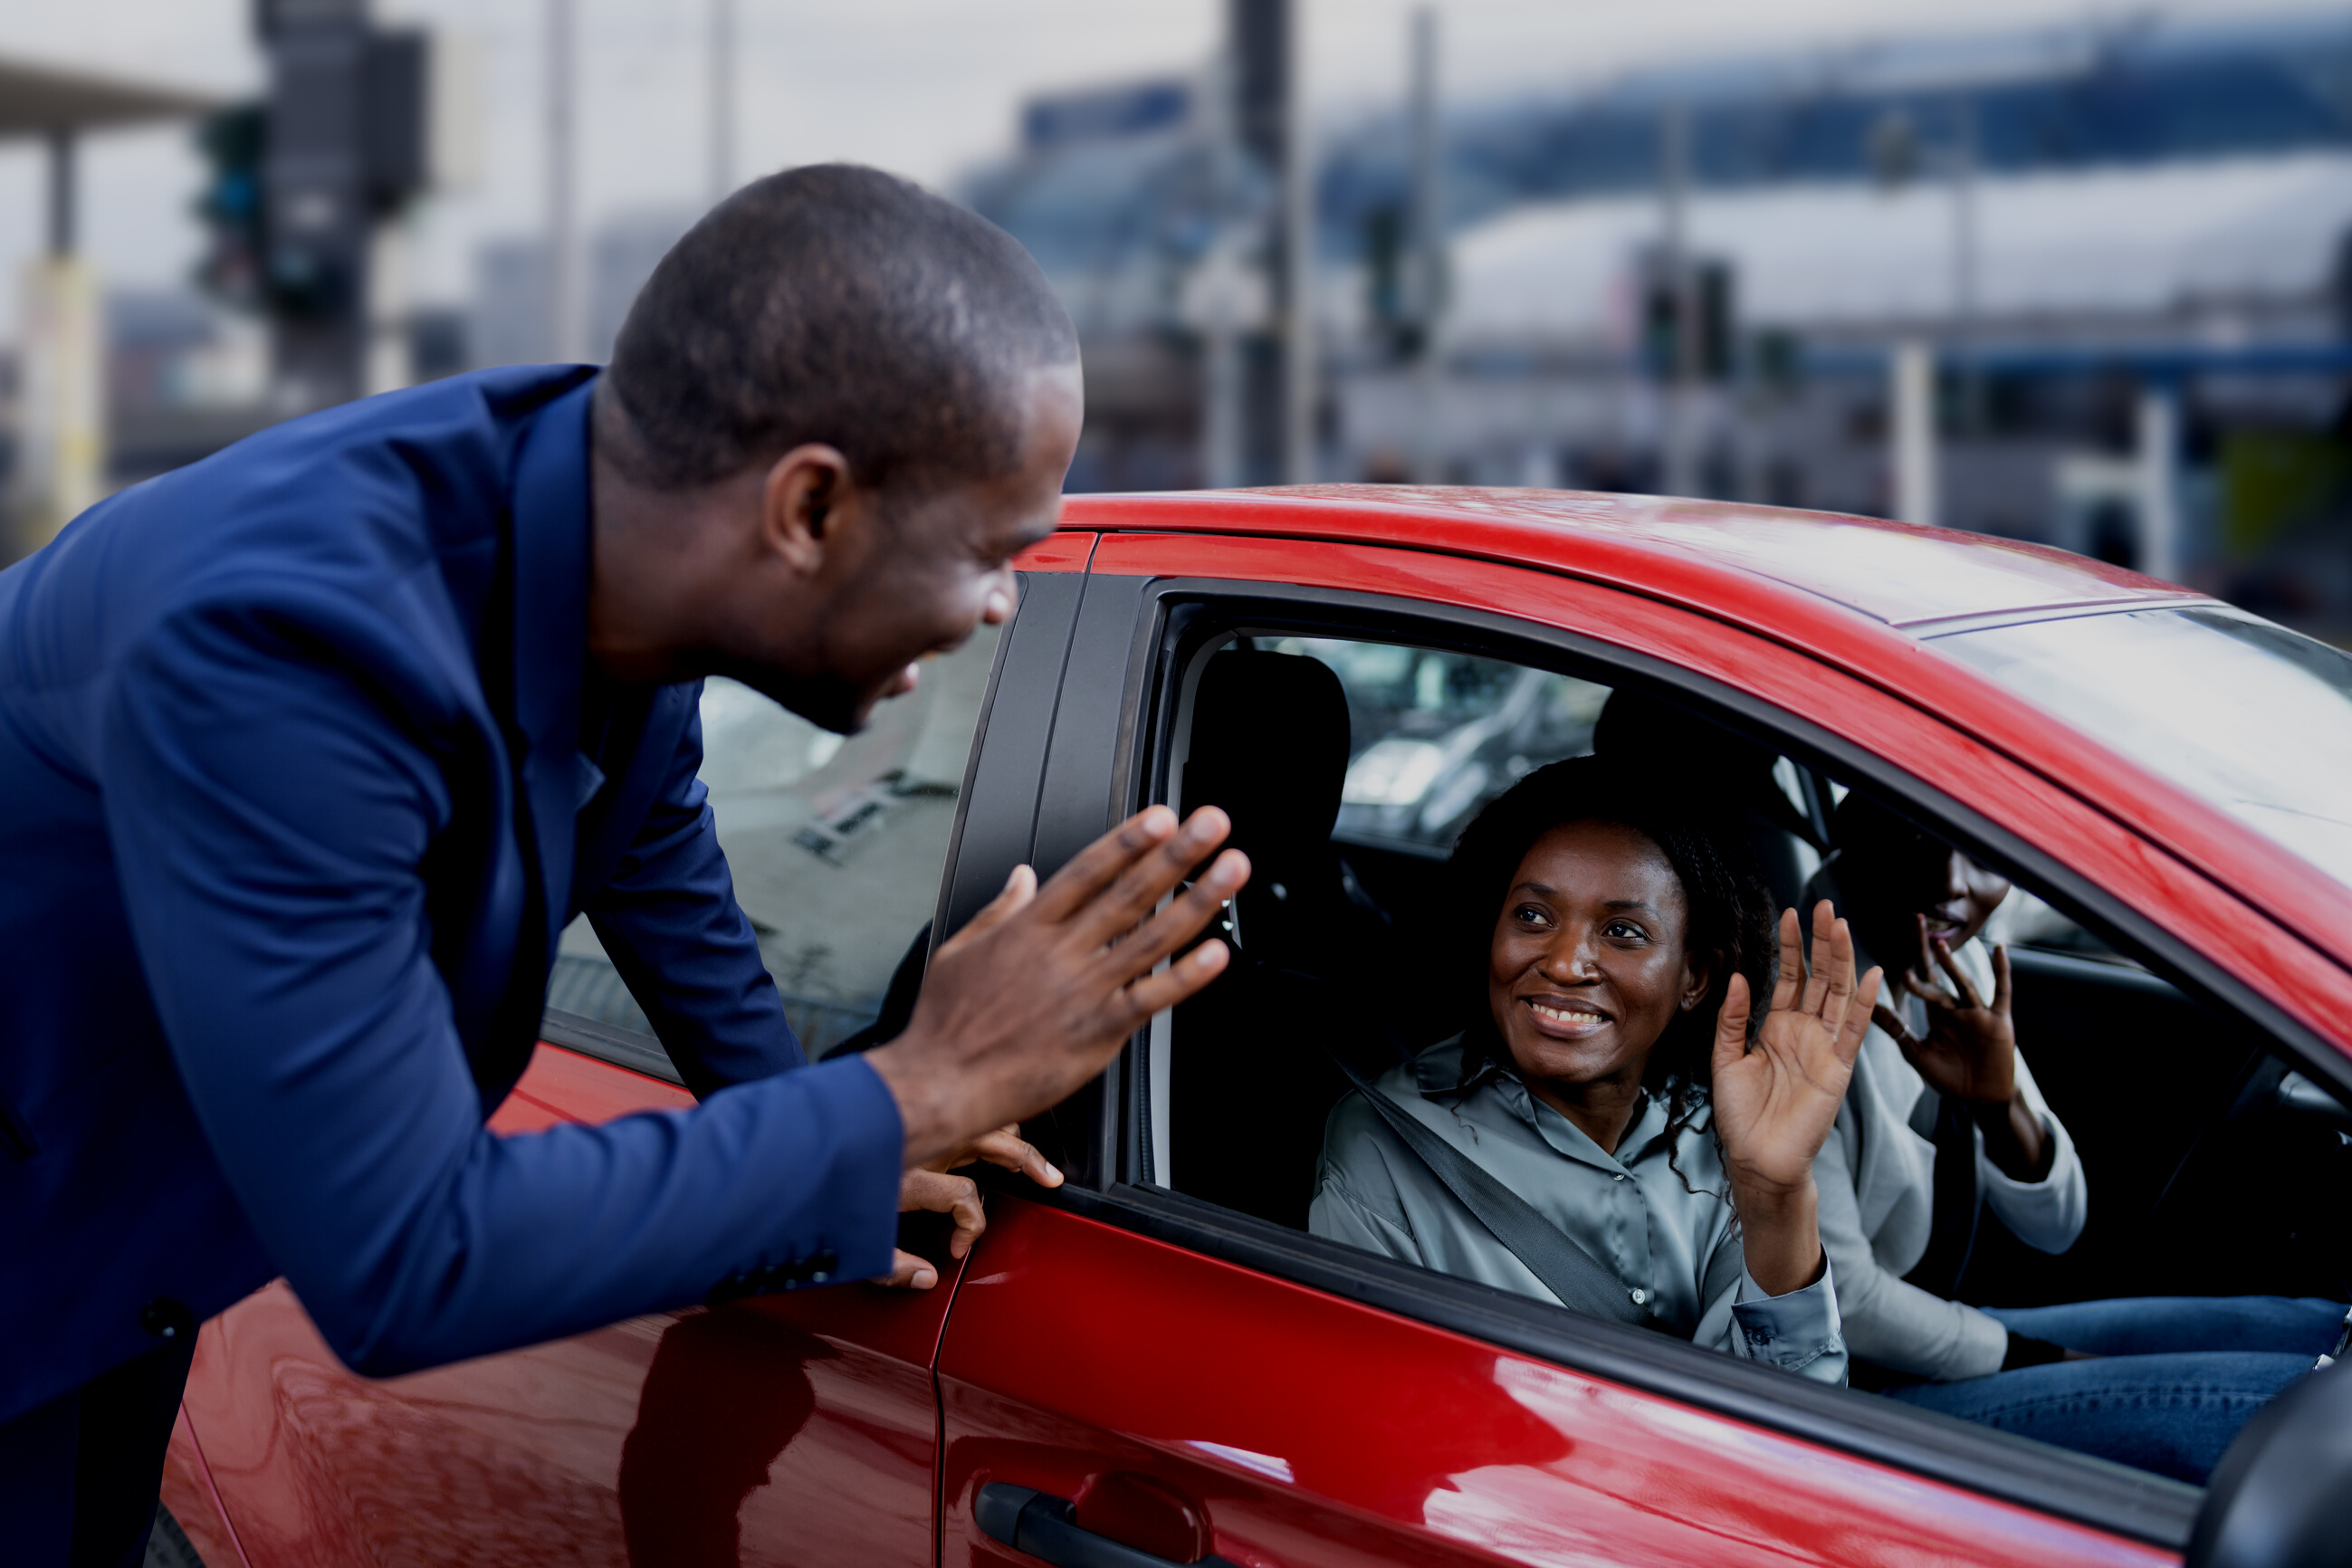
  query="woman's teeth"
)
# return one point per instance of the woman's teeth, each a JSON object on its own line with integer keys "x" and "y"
{"x": 1563, "y": 1016}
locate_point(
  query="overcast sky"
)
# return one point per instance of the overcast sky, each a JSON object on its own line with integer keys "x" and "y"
{"x": 922, "y": 87}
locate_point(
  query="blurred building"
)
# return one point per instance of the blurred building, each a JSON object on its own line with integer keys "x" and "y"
{"x": 1112, "y": 191}
{"x": 2121, "y": 247}
{"x": 508, "y": 322}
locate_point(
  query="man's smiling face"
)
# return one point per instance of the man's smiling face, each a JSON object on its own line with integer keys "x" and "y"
{"x": 923, "y": 578}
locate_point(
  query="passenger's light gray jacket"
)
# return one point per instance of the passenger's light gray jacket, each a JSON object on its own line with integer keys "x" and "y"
{"x": 1673, "y": 1246}
{"x": 1878, "y": 1181}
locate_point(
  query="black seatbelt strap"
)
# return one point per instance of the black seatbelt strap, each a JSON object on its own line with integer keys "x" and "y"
{"x": 1952, "y": 1204}
{"x": 1551, "y": 1255}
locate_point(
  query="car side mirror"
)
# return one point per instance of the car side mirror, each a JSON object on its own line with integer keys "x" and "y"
{"x": 2282, "y": 1496}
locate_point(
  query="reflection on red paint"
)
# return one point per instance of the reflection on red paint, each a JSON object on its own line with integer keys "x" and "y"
{"x": 731, "y": 1436}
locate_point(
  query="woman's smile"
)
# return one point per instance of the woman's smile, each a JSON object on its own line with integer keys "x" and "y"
{"x": 1565, "y": 1017}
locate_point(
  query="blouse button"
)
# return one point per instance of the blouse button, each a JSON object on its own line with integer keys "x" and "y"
{"x": 1618, "y": 1177}
{"x": 1640, "y": 1295}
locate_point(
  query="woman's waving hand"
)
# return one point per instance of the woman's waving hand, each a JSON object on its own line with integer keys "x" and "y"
{"x": 1777, "y": 1097}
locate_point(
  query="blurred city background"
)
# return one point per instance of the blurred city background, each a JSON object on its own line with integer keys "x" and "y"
{"x": 2058, "y": 271}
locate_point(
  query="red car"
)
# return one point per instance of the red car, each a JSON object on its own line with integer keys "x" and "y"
{"x": 1160, "y": 1341}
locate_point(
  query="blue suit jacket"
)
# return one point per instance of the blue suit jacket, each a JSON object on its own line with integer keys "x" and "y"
{"x": 292, "y": 807}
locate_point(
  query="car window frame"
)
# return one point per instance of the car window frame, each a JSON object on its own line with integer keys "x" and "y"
{"x": 1175, "y": 615}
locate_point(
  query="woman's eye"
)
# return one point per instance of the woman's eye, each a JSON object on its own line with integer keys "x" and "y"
{"x": 1528, "y": 914}
{"x": 1625, "y": 930}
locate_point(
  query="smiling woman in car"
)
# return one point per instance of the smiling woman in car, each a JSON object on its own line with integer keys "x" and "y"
{"x": 1613, "y": 1130}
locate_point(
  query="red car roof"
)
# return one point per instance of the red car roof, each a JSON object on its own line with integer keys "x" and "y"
{"x": 1856, "y": 592}
{"x": 1714, "y": 555}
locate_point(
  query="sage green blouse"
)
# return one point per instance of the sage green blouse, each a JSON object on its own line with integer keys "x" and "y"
{"x": 1669, "y": 1234}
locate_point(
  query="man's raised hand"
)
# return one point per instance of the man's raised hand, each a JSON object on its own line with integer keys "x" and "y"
{"x": 1035, "y": 994}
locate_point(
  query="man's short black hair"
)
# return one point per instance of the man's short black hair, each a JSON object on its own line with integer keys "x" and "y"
{"x": 835, "y": 304}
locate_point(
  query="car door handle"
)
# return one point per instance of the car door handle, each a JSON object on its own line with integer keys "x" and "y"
{"x": 1041, "y": 1525}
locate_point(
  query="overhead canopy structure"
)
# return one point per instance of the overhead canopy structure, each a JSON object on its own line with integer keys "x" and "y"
{"x": 50, "y": 102}
{"x": 38, "y": 99}
{"x": 61, "y": 427}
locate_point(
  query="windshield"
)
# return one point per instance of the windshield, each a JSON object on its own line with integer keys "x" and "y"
{"x": 2252, "y": 717}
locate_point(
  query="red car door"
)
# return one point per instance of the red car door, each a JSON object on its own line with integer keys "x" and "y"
{"x": 796, "y": 1428}
{"x": 1131, "y": 1376}
{"x": 739, "y": 1434}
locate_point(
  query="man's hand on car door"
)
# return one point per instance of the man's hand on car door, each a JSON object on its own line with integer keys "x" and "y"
{"x": 934, "y": 1189}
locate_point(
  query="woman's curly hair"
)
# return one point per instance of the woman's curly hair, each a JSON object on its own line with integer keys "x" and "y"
{"x": 1730, "y": 908}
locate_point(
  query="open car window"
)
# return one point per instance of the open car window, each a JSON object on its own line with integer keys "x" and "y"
{"x": 835, "y": 843}
{"x": 2212, "y": 1171}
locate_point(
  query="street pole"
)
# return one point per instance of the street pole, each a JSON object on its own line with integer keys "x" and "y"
{"x": 1680, "y": 438}
{"x": 1220, "y": 352}
{"x": 1964, "y": 263}
{"x": 1911, "y": 430}
{"x": 62, "y": 193}
{"x": 2159, "y": 479}
{"x": 61, "y": 342}
{"x": 722, "y": 99}
{"x": 1299, "y": 378}
{"x": 565, "y": 326}
{"x": 1427, "y": 240}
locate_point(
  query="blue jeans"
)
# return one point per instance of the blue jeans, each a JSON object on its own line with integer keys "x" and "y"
{"x": 2178, "y": 1375}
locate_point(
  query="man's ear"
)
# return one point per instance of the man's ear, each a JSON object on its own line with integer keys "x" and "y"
{"x": 804, "y": 488}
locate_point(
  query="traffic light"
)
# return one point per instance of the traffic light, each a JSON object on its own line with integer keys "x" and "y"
{"x": 235, "y": 143}
{"x": 357, "y": 121}
{"x": 1713, "y": 306}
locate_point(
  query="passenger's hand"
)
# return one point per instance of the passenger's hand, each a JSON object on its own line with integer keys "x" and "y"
{"x": 1970, "y": 1050}
{"x": 1039, "y": 990}
{"x": 1777, "y": 1098}
{"x": 1970, "y": 1055}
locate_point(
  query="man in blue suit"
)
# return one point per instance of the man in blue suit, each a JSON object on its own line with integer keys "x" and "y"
{"x": 309, "y": 751}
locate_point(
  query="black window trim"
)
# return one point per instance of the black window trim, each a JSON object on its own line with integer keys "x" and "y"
{"x": 2089, "y": 1491}
{"x": 608, "y": 1043}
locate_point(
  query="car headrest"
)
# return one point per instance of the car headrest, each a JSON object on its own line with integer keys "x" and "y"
{"x": 1270, "y": 746}
{"x": 1635, "y": 727}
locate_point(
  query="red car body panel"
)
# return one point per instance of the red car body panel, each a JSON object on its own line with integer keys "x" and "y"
{"x": 1065, "y": 551}
{"x": 195, "y": 1501}
{"x": 1711, "y": 555}
{"x": 1433, "y": 1448}
{"x": 855, "y": 1425}
{"x": 761, "y": 1418}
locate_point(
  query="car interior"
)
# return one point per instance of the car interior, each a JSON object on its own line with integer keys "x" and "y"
{"x": 1349, "y": 765}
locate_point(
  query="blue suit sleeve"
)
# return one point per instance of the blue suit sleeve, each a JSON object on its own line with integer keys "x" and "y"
{"x": 276, "y": 793}
{"x": 669, "y": 922}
